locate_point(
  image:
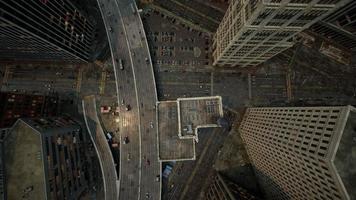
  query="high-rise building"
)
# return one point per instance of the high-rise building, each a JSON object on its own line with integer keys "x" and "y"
{"x": 302, "y": 152}
{"x": 253, "y": 31}
{"x": 15, "y": 106}
{"x": 223, "y": 189}
{"x": 339, "y": 27}
{"x": 46, "y": 158}
{"x": 2, "y": 179}
{"x": 44, "y": 30}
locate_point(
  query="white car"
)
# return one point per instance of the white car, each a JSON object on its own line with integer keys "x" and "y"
{"x": 151, "y": 124}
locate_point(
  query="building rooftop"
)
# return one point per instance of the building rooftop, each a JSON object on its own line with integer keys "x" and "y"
{"x": 198, "y": 112}
{"x": 171, "y": 147}
{"x": 25, "y": 176}
{"x": 178, "y": 124}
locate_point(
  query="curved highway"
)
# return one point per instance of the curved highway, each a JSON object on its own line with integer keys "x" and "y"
{"x": 137, "y": 96}
{"x": 102, "y": 148}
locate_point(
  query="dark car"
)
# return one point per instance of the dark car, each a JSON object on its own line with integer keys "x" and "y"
{"x": 126, "y": 140}
{"x": 128, "y": 107}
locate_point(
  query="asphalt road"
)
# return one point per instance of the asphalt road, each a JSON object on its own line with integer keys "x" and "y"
{"x": 102, "y": 148}
{"x": 189, "y": 178}
{"x": 139, "y": 164}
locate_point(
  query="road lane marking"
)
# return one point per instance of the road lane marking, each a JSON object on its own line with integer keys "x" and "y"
{"x": 116, "y": 79}
{"x": 94, "y": 144}
{"x": 79, "y": 79}
{"x": 137, "y": 102}
{"x": 102, "y": 83}
{"x": 212, "y": 83}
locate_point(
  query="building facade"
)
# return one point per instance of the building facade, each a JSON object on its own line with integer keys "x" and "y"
{"x": 44, "y": 30}
{"x": 2, "y": 176}
{"x": 222, "y": 189}
{"x": 15, "y": 106}
{"x": 339, "y": 27}
{"x": 302, "y": 152}
{"x": 252, "y": 31}
{"x": 55, "y": 153}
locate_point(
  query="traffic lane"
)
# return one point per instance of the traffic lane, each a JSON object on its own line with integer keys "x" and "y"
{"x": 142, "y": 70}
{"x": 149, "y": 171}
{"x": 130, "y": 156}
{"x": 39, "y": 87}
{"x": 125, "y": 166}
{"x": 145, "y": 101}
{"x": 103, "y": 151}
{"x": 191, "y": 77}
{"x": 129, "y": 182}
{"x": 172, "y": 92}
{"x": 129, "y": 128}
{"x": 138, "y": 61}
{"x": 151, "y": 166}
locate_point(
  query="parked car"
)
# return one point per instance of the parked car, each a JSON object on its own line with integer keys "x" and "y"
{"x": 167, "y": 171}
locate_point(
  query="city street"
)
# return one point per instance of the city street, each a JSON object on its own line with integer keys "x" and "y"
{"x": 97, "y": 136}
{"x": 137, "y": 96}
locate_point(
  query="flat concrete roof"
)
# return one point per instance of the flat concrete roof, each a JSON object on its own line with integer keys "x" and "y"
{"x": 198, "y": 112}
{"x": 345, "y": 159}
{"x": 170, "y": 146}
{"x": 23, "y": 163}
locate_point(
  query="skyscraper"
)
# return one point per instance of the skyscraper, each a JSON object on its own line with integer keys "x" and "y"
{"x": 253, "y": 31}
{"x": 45, "y": 30}
{"x": 339, "y": 27}
{"x": 223, "y": 189}
{"x": 15, "y": 106}
{"x": 302, "y": 152}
